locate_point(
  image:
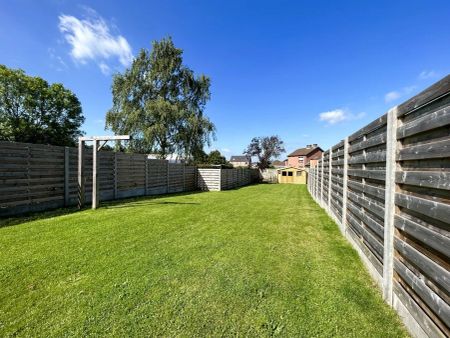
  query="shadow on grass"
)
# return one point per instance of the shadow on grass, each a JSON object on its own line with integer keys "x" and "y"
{"x": 120, "y": 203}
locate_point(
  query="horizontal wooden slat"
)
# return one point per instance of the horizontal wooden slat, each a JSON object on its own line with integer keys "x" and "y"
{"x": 438, "y": 149}
{"x": 431, "y": 238}
{"x": 433, "y": 209}
{"x": 427, "y": 122}
{"x": 436, "y": 304}
{"x": 374, "y": 174}
{"x": 371, "y": 157}
{"x": 432, "y": 270}
{"x": 370, "y": 142}
{"x": 376, "y": 124}
{"x": 429, "y": 179}
{"x": 430, "y": 94}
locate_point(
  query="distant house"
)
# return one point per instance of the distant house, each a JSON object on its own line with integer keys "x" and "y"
{"x": 241, "y": 161}
{"x": 279, "y": 164}
{"x": 305, "y": 157}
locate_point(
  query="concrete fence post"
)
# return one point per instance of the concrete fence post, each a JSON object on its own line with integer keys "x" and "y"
{"x": 344, "y": 187}
{"x": 389, "y": 205}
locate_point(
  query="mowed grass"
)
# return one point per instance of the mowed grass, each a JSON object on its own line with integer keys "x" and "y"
{"x": 263, "y": 260}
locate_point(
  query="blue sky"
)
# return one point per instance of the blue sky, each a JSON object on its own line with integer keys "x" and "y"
{"x": 309, "y": 71}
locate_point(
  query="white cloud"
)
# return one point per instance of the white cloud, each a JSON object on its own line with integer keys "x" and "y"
{"x": 392, "y": 96}
{"x": 396, "y": 94}
{"x": 428, "y": 74}
{"x": 91, "y": 39}
{"x": 225, "y": 150}
{"x": 339, "y": 115}
{"x": 104, "y": 68}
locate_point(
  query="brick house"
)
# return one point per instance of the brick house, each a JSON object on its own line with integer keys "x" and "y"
{"x": 305, "y": 157}
{"x": 241, "y": 161}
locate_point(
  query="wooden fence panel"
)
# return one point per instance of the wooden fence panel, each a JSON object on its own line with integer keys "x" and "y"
{"x": 393, "y": 178}
{"x": 37, "y": 177}
{"x": 422, "y": 220}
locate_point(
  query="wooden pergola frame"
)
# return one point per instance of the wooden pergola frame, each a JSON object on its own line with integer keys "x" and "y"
{"x": 96, "y": 140}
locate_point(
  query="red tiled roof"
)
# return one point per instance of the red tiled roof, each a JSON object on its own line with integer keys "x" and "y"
{"x": 303, "y": 151}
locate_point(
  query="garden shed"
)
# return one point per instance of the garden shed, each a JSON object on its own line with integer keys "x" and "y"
{"x": 292, "y": 175}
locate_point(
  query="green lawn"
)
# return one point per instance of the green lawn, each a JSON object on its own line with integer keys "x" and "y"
{"x": 263, "y": 260}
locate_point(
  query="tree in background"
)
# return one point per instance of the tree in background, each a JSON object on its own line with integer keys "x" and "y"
{"x": 33, "y": 111}
{"x": 265, "y": 148}
{"x": 215, "y": 157}
{"x": 160, "y": 103}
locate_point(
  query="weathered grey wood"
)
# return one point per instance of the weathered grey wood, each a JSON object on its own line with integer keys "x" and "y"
{"x": 367, "y": 219}
{"x": 433, "y": 209}
{"x": 330, "y": 155}
{"x": 345, "y": 185}
{"x": 430, "y": 121}
{"x": 337, "y": 146}
{"x": 432, "y": 93}
{"x": 146, "y": 178}
{"x": 66, "y": 175}
{"x": 374, "y": 174}
{"x": 432, "y": 270}
{"x": 80, "y": 174}
{"x": 368, "y": 143}
{"x": 115, "y": 169}
{"x": 414, "y": 310}
{"x": 321, "y": 180}
{"x": 429, "y": 179}
{"x": 375, "y": 245}
{"x": 95, "y": 192}
{"x": 431, "y": 238}
{"x": 371, "y": 157}
{"x": 374, "y": 125}
{"x": 439, "y": 307}
{"x": 366, "y": 203}
{"x": 437, "y": 149}
{"x": 367, "y": 188}
{"x": 389, "y": 205}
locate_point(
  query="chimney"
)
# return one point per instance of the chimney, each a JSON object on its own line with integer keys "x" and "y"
{"x": 308, "y": 146}
{"x": 314, "y": 145}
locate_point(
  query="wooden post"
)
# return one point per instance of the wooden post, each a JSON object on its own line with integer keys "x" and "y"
{"x": 80, "y": 174}
{"x": 94, "y": 175}
{"x": 389, "y": 205}
{"x": 329, "y": 179}
{"x": 344, "y": 187}
{"x": 66, "y": 175}
{"x": 115, "y": 175}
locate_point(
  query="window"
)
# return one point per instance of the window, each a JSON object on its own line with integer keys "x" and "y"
{"x": 299, "y": 173}
{"x": 283, "y": 173}
{"x": 290, "y": 173}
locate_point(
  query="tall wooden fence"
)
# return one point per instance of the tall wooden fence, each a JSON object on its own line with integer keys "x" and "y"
{"x": 388, "y": 188}
{"x": 216, "y": 179}
{"x": 36, "y": 177}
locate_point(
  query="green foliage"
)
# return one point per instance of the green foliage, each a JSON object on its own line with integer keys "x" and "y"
{"x": 265, "y": 148}
{"x": 258, "y": 261}
{"x": 33, "y": 111}
{"x": 160, "y": 102}
{"x": 215, "y": 157}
